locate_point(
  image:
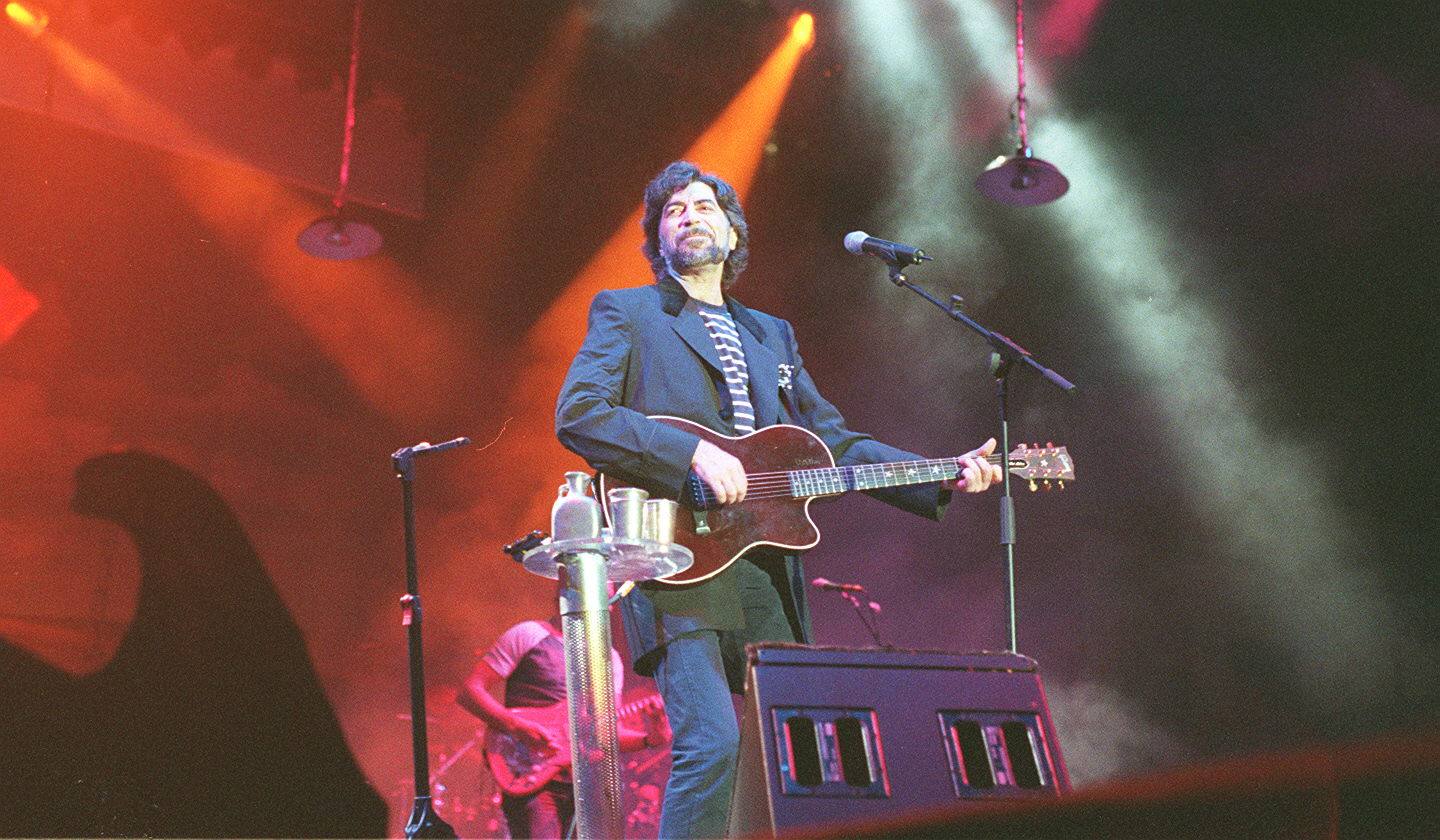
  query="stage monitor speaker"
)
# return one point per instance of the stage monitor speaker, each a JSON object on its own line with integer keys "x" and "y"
{"x": 834, "y": 735}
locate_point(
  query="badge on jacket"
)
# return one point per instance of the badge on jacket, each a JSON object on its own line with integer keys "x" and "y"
{"x": 787, "y": 375}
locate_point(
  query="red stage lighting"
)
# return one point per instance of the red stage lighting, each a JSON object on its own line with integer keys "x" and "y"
{"x": 31, "y": 19}
{"x": 17, "y": 304}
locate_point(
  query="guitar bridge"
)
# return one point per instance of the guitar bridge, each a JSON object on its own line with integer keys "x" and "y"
{"x": 702, "y": 524}
{"x": 697, "y": 495}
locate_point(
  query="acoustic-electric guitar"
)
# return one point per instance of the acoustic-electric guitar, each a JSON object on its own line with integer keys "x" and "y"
{"x": 786, "y": 468}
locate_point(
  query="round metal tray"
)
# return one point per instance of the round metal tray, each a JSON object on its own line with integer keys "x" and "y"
{"x": 637, "y": 560}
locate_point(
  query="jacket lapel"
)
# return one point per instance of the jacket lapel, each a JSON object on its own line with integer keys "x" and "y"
{"x": 688, "y": 323}
{"x": 691, "y": 327}
{"x": 763, "y": 364}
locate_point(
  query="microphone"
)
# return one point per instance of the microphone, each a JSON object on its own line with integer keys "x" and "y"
{"x": 826, "y": 583}
{"x": 896, "y": 253}
{"x": 426, "y": 446}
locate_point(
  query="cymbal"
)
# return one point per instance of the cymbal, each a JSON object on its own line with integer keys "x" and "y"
{"x": 1021, "y": 180}
{"x": 336, "y": 238}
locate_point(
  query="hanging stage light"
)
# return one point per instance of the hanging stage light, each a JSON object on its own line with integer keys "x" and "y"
{"x": 336, "y": 237}
{"x": 1021, "y": 180}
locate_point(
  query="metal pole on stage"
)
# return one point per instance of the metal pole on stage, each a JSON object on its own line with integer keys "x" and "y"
{"x": 1000, "y": 367}
{"x": 590, "y": 687}
{"x": 423, "y": 822}
{"x": 1005, "y": 353}
{"x": 583, "y": 556}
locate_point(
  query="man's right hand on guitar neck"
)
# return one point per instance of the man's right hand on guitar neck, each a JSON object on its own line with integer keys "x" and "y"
{"x": 722, "y": 471}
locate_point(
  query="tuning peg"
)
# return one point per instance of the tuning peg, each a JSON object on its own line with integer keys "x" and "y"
{"x": 1033, "y": 488}
{"x": 1062, "y": 484}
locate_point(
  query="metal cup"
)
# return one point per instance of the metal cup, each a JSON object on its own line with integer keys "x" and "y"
{"x": 627, "y": 513}
{"x": 659, "y": 522}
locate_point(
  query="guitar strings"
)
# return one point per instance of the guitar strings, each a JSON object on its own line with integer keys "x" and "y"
{"x": 779, "y": 484}
{"x": 785, "y": 474}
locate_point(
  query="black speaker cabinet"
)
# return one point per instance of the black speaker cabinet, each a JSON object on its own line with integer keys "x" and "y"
{"x": 835, "y": 735}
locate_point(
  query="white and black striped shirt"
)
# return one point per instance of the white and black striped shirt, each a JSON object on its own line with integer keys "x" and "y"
{"x": 732, "y": 361}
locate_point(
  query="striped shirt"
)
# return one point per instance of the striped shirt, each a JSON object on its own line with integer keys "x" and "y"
{"x": 732, "y": 361}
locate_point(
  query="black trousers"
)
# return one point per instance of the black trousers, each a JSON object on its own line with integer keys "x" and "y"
{"x": 543, "y": 815}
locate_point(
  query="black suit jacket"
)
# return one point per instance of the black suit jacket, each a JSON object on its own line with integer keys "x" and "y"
{"x": 647, "y": 352}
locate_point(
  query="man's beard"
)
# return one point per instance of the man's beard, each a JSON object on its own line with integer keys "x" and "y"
{"x": 681, "y": 258}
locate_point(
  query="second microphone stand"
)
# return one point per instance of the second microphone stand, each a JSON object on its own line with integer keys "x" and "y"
{"x": 867, "y": 613}
{"x": 1005, "y": 353}
{"x": 424, "y": 822}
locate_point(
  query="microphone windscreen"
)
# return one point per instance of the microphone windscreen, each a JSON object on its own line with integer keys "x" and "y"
{"x": 855, "y": 241}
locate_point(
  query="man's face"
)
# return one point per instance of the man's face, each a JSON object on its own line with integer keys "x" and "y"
{"x": 694, "y": 230}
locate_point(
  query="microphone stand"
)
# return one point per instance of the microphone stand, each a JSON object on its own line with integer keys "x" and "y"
{"x": 1005, "y": 353}
{"x": 847, "y": 591}
{"x": 866, "y": 616}
{"x": 423, "y": 822}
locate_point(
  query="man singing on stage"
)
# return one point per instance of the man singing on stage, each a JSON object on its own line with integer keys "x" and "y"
{"x": 685, "y": 347}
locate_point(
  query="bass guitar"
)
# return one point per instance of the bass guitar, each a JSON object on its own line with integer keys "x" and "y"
{"x": 786, "y": 468}
{"x": 520, "y": 769}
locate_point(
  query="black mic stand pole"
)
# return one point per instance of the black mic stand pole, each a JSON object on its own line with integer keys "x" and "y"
{"x": 866, "y": 616}
{"x": 1005, "y": 353}
{"x": 423, "y": 822}
{"x": 1000, "y": 369}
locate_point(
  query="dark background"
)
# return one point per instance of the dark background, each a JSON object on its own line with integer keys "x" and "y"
{"x": 1223, "y": 578}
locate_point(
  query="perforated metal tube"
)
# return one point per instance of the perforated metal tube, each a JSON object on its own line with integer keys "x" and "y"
{"x": 594, "y": 743}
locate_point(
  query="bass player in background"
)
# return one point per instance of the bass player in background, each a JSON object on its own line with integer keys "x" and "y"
{"x": 525, "y": 669}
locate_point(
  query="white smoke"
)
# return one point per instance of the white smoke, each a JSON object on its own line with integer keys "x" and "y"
{"x": 1102, "y": 736}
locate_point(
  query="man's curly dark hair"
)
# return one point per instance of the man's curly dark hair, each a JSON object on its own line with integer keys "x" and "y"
{"x": 678, "y": 176}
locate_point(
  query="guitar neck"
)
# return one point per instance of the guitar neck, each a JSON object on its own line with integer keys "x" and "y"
{"x": 630, "y": 710}
{"x": 833, "y": 481}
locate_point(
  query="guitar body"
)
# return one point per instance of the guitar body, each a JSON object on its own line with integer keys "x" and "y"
{"x": 780, "y": 521}
{"x": 520, "y": 770}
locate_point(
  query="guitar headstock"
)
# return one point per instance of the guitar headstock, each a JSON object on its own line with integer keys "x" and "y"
{"x": 1043, "y": 466}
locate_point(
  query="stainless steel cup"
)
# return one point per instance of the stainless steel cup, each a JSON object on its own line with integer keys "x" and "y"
{"x": 659, "y": 522}
{"x": 627, "y": 513}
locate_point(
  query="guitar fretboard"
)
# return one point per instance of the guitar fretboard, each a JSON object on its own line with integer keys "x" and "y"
{"x": 830, "y": 481}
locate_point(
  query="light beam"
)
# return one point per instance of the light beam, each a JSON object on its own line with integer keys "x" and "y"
{"x": 17, "y": 304}
{"x": 31, "y": 19}
{"x": 1290, "y": 545}
{"x": 482, "y": 223}
{"x": 900, "y": 60}
{"x": 400, "y": 358}
{"x": 731, "y": 146}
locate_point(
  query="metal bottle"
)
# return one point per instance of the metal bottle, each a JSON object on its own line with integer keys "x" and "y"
{"x": 575, "y": 514}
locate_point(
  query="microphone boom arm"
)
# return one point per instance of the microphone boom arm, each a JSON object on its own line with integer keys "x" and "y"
{"x": 1005, "y": 348}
